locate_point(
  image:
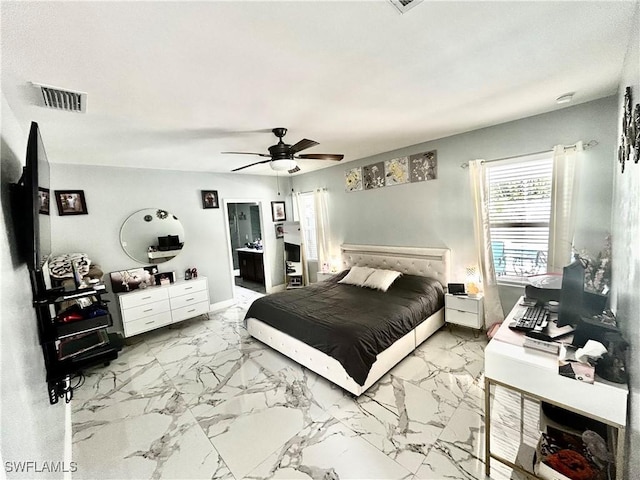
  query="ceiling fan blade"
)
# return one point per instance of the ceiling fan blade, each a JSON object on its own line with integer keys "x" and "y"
{"x": 322, "y": 156}
{"x": 251, "y": 165}
{"x": 294, "y": 170}
{"x": 303, "y": 145}
{"x": 246, "y": 153}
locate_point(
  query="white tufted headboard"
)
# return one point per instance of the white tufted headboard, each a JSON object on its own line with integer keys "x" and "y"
{"x": 426, "y": 262}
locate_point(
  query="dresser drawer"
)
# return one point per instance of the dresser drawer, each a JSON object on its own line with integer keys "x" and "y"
{"x": 464, "y": 304}
{"x": 149, "y": 295}
{"x": 188, "y": 299}
{"x": 142, "y": 311}
{"x": 189, "y": 286}
{"x": 147, "y": 323}
{"x": 466, "y": 319}
{"x": 190, "y": 311}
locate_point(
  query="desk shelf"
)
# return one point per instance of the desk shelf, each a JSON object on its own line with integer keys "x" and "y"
{"x": 533, "y": 375}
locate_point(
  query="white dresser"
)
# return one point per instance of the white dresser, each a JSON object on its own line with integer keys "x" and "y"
{"x": 464, "y": 310}
{"x": 155, "y": 307}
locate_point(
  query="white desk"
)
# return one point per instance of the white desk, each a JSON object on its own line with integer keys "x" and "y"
{"x": 535, "y": 374}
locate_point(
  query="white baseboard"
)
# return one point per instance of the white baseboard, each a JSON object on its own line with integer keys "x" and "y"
{"x": 214, "y": 307}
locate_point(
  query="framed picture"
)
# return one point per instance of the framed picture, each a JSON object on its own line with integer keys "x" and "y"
{"x": 210, "y": 199}
{"x": 165, "y": 278}
{"x": 278, "y": 212}
{"x": 279, "y": 230}
{"x": 71, "y": 202}
{"x": 44, "y": 197}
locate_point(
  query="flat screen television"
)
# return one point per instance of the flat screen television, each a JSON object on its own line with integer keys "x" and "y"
{"x": 31, "y": 200}
{"x": 291, "y": 252}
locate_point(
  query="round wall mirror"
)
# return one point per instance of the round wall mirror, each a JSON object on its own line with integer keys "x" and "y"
{"x": 152, "y": 236}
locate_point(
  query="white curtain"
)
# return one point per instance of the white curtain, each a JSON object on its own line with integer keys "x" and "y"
{"x": 303, "y": 247}
{"x": 322, "y": 229}
{"x": 563, "y": 205}
{"x": 482, "y": 234}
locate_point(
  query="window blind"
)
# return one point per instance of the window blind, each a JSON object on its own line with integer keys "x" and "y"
{"x": 519, "y": 214}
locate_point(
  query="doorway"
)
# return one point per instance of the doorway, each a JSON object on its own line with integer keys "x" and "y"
{"x": 246, "y": 245}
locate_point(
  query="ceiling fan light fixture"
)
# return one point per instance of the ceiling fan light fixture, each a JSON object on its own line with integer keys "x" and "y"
{"x": 283, "y": 164}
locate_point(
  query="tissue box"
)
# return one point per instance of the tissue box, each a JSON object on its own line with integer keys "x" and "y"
{"x": 568, "y": 366}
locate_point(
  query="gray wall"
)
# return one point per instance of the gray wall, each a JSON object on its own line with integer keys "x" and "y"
{"x": 112, "y": 194}
{"x": 32, "y": 430}
{"x": 626, "y": 253}
{"x": 438, "y": 213}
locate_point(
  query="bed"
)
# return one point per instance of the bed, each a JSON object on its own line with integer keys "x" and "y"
{"x": 354, "y": 344}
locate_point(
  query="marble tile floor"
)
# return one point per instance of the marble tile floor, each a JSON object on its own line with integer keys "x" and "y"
{"x": 202, "y": 399}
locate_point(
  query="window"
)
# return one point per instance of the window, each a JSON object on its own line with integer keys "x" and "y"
{"x": 308, "y": 217}
{"x": 519, "y": 214}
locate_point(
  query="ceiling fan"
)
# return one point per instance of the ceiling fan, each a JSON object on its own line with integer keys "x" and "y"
{"x": 282, "y": 156}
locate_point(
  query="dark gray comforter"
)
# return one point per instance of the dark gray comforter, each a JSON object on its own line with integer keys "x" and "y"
{"x": 349, "y": 323}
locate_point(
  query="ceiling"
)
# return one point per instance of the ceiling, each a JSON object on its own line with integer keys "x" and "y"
{"x": 172, "y": 84}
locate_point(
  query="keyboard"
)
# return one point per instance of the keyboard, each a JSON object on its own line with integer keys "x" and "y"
{"x": 534, "y": 318}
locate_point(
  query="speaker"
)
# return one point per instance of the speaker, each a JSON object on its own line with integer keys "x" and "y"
{"x": 456, "y": 288}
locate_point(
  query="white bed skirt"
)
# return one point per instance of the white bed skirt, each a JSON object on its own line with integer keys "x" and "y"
{"x": 329, "y": 367}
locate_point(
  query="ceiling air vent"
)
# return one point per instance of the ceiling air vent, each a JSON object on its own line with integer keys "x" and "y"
{"x": 404, "y": 5}
{"x": 54, "y": 97}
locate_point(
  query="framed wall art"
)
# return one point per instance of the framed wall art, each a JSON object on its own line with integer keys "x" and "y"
{"x": 210, "y": 199}
{"x": 278, "y": 212}
{"x": 44, "y": 200}
{"x": 71, "y": 202}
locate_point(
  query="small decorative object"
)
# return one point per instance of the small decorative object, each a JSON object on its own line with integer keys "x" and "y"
{"x": 472, "y": 286}
{"x": 133, "y": 279}
{"x": 597, "y": 273}
{"x": 210, "y": 199}
{"x": 71, "y": 202}
{"x": 162, "y": 214}
{"x": 279, "y": 230}
{"x": 44, "y": 198}
{"x": 148, "y": 218}
{"x": 194, "y": 272}
{"x": 187, "y": 274}
{"x": 278, "y": 212}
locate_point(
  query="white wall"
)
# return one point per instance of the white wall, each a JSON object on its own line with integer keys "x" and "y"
{"x": 438, "y": 213}
{"x": 626, "y": 252}
{"x": 32, "y": 430}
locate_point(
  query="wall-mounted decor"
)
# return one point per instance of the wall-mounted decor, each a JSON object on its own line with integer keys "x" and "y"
{"x": 373, "y": 176}
{"x": 397, "y": 171}
{"x": 423, "y": 166}
{"x": 210, "y": 199}
{"x": 279, "y": 230}
{"x": 71, "y": 202}
{"x": 629, "y": 147}
{"x": 44, "y": 200}
{"x": 353, "y": 179}
{"x": 636, "y": 133}
{"x": 278, "y": 212}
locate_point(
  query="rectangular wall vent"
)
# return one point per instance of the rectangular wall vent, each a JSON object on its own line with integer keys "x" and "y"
{"x": 60, "y": 99}
{"x": 405, "y": 5}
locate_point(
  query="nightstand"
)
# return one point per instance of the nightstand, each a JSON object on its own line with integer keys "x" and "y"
{"x": 464, "y": 310}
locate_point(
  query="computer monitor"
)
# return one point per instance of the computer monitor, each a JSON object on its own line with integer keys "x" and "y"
{"x": 571, "y": 294}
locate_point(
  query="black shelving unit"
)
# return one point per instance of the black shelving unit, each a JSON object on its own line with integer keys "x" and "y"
{"x": 85, "y": 340}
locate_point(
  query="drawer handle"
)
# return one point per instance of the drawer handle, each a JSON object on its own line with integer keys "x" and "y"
{"x": 192, "y": 310}
{"x": 150, "y": 323}
{"x": 189, "y": 299}
{"x": 188, "y": 288}
{"x": 146, "y": 298}
{"x": 148, "y": 310}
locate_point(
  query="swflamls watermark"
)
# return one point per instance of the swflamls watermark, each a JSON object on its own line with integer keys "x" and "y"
{"x": 33, "y": 466}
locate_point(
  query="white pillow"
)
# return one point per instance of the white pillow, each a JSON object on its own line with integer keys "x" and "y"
{"x": 357, "y": 276}
{"x": 381, "y": 279}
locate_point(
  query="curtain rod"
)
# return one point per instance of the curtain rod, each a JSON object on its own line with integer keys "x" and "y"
{"x": 587, "y": 146}
{"x": 311, "y": 191}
